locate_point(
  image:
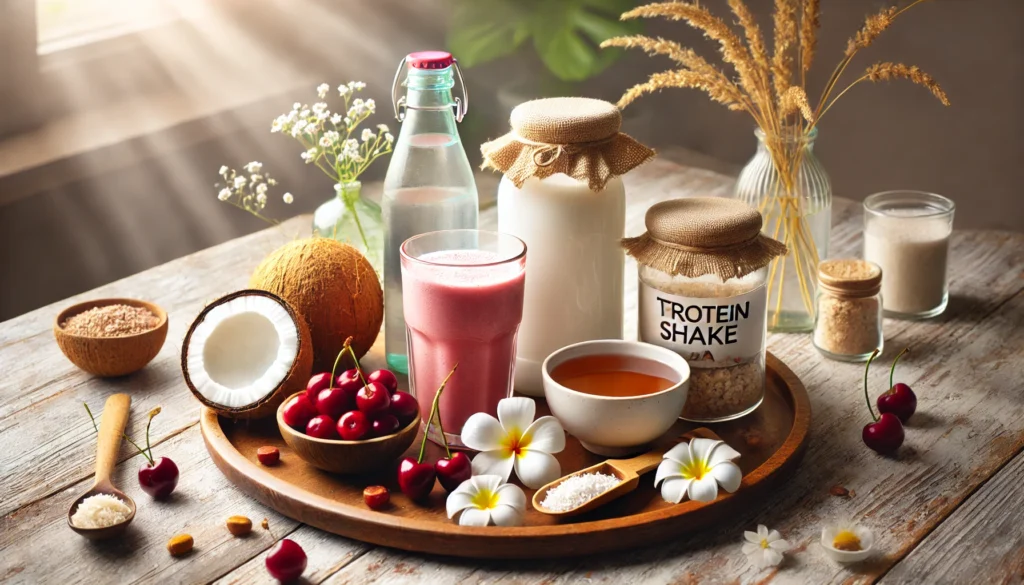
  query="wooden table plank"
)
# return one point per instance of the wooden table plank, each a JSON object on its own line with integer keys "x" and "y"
{"x": 965, "y": 367}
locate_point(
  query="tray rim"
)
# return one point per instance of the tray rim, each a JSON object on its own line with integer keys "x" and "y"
{"x": 254, "y": 481}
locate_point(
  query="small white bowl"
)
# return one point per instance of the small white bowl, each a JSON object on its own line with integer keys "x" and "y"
{"x": 866, "y": 537}
{"x": 617, "y": 426}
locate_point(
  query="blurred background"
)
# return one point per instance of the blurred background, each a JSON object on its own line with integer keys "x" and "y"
{"x": 115, "y": 115}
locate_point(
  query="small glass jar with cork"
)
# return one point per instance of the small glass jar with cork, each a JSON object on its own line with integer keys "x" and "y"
{"x": 703, "y": 267}
{"x": 848, "y": 316}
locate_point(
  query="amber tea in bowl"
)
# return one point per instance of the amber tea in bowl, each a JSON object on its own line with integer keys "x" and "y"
{"x": 616, "y": 396}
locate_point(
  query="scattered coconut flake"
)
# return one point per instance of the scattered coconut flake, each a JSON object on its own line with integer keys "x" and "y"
{"x": 111, "y": 321}
{"x": 578, "y": 490}
{"x": 100, "y": 511}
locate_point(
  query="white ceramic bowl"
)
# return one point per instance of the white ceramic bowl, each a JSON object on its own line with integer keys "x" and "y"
{"x": 617, "y": 426}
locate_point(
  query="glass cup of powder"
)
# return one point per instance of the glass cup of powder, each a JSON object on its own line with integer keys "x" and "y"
{"x": 906, "y": 233}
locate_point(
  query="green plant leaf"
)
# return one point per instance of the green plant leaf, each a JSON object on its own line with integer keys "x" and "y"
{"x": 485, "y": 30}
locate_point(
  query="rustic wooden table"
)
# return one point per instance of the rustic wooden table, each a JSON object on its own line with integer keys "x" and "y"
{"x": 948, "y": 509}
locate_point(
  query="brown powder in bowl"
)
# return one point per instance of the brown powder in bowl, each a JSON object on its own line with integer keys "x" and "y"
{"x": 111, "y": 321}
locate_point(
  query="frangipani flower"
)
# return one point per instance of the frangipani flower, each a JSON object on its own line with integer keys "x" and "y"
{"x": 764, "y": 548}
{"x": 484, "y": 500}
{"x": 515, "y": 441}
{"x": 696, "y": 469}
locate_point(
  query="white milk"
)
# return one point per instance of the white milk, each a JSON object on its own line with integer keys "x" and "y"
{"x": 574, "y": 265}
{"x": 912, "y": 252}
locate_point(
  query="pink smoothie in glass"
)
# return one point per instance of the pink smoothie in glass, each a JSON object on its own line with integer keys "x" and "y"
{"x": 457, "y": 311}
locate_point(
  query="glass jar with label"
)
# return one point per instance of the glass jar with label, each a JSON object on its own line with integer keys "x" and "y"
{"x": 702, "y": 293}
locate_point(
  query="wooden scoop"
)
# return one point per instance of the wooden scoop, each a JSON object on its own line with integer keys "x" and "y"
{"x": 627, "y": 470}
{"x": 108, "y": 443}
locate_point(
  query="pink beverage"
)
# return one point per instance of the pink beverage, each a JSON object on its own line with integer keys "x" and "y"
{"x": 463, "y": 301}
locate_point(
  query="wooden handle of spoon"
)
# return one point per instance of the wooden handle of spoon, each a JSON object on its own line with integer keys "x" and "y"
{"x": 640, "y": 464}
{"x": 108, "y": 444}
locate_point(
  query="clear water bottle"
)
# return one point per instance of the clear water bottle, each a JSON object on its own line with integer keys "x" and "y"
{"x": 429, "y": 185}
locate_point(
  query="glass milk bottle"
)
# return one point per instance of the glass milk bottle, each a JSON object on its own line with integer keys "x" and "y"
{"x": 562, "y": 195}
{"x": 429, "y": 184}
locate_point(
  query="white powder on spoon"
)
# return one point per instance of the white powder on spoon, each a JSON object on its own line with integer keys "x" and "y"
{"x": 578, "y": 490}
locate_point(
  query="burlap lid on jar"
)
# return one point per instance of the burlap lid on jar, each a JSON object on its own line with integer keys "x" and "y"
{"x": 704, "y": 235}
{"x": 572, "y": 135}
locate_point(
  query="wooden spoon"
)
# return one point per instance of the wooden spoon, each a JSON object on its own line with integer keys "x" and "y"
{"x": 108, "y": 444}
{"x": 627, "y": 470}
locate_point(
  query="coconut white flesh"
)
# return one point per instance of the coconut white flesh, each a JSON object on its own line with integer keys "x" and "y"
{"x": 242, "y": 351}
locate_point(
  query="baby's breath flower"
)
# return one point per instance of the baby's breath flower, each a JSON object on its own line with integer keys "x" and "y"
{"x": 287, "y": 197}
{"x": 357, "y": 85}
{"x": 322, "y": 89}
{"x": 325, "y": 142}
{"x": 224, "y": 194}
{"x": 319, "y": 107}
{"x": 255, "y": 179}
{"x": 261, "y": 189}
{"x": 371, "y": 105}
{"x": 253, "y": 167}
{"x": 343, "y": 90}
{"x": 261, "y": 199}
{"x": 239, "y": 182}
{"x": 271, "y": 181}
{"x": 223, "y": 170}
{"x": 382, "y": 127}
{"x": 336, "y": 119}
{"x": 367, "y": 135}
{"x": 296, "y": 106}
{"x": 276, "y": 125}
{"x": 389, "y": 138}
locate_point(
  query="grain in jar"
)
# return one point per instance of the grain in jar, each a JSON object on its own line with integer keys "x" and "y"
{"x": 848, "y": 322}
{"x": 703, "y": 268}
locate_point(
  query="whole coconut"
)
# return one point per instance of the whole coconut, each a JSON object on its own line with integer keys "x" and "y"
{"x": 333, "y": 286}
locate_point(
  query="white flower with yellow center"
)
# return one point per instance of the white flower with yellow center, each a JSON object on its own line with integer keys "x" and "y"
{"x": 696, "y": 469}
{"x": 764, "y": 548}
{"x": 484, "y": 500}
{"x": 515, "y": 441}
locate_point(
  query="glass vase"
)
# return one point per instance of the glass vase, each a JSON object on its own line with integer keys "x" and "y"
{"x": 352, "y": 219}
{"x": 787, "y": 184}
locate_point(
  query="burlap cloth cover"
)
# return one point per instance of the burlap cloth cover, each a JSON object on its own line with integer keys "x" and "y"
{"x": 576, "y": 136}
{"x": 704, "y": 235}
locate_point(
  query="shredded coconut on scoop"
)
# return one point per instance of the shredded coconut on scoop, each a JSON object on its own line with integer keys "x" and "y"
{"x": 578, "y": 490}
{"x": 100, "y": 511}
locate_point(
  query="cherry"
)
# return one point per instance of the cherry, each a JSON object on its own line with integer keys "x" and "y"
{"x": 353, "y": 426}
{"x": 334, "y": 402}
{"x": 404, "y": 407}
{"x": 268, "y": 455}
{"x": 415, "y": 479}
{"x": 373, "y": 398}
{"x": 899, "y": 399}
{"x": 286, "y": 561}
{"x": 316, "y": 384}
{"x": 350, "y": 382}
{"x": 322, "y": 427}
{"x": 384, "y": 425}
{"x": 385, "y": 378}
{"x": 376, "y": 497}
{"x": 885, "y": 434}
{"x": 158, "y": 478}
{"x": 453, "y": 470}
{"x": 298, "y": 411}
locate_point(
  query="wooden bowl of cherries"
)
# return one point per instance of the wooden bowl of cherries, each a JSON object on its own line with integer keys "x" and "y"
{"x": 351, "y": 424}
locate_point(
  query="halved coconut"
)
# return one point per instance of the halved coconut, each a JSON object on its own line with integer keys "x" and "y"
{"x": 245, "y": 353}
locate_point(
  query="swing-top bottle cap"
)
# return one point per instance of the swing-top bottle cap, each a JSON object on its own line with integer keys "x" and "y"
{"x": 430, "y": 60}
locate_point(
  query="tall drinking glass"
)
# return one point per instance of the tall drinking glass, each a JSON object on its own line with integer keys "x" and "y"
{"x": 463, "y": 301}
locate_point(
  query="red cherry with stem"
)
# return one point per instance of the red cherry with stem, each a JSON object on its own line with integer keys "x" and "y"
{"x": 373, "y": 399}
{"x": 286, "y": 561}
{"x": 318, "y": 383}
{"x": 885, "y": 434}
{"x": 334, "y": 402}
{"x": 899, "y": 399}
{"x": 384, "y": 425}
{"x": 350, "y": 383}
{"x": 404, "y": 407}
{"x": 385, "y": 378}
{"x": 158, "y": 478}
{"x": 454, "y": 470}
{"x": 322, "y": 427}
{"x": 354, "y": 426}
{"x": 415, "y": 478}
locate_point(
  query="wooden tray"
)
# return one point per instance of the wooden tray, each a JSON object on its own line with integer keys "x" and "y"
{"x": 771, "y": 441}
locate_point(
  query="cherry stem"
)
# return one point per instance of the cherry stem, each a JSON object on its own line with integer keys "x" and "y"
{"x": 126, "y": 437}
{"x": 866, "y": 397}
{"x": 434, "y": 407}
{"x": 893, "y": 368}
{"x": 91, "y": 417}
{"x": 148, "y": 458}
{"x": 334, "y": 369}
{"x": 359, "y": 371}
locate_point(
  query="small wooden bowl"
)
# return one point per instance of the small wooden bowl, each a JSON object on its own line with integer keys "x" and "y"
{"x": 347, "y": 457}
{"x": 111, "y": 356}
